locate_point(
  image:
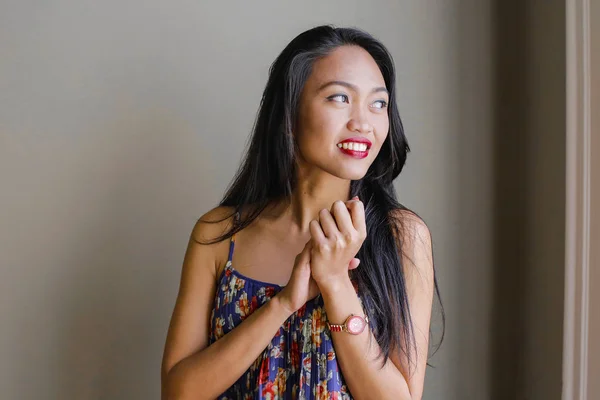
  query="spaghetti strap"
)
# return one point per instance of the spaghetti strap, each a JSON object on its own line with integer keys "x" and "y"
{"x": 236, "y": 219}
{"x": 231, "y": 246}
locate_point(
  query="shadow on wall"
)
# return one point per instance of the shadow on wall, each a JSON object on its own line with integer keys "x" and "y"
{"x": 530, "y": 200}
{"x": 511, "y": 146}
{"x": 112, "y": 334}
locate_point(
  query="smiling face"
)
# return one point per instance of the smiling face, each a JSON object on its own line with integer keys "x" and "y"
{"x": 343, "y": 116}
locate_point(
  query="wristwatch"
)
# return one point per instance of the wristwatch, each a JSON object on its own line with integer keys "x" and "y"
{"x": 354, "y": 325}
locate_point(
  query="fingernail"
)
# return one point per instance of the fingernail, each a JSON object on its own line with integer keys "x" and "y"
{"x": 355, "y": 198}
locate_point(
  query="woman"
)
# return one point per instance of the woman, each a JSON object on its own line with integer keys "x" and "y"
{"x": 312, "y": 200}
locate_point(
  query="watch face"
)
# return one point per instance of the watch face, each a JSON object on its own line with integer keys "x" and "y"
{"x": 355, "y": 324}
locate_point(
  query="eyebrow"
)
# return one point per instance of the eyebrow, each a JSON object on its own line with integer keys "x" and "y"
{"x": 351, "y": 87}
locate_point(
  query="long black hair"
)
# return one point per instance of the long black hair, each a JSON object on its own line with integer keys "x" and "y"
{"x": 268, "y": 175}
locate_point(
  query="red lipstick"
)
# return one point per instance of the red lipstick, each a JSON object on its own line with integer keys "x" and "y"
{"x": 356, "y": 147}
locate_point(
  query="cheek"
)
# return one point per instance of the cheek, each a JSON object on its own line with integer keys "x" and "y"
{"x": 319, "y": 126}
{"x": 382, "y": 128}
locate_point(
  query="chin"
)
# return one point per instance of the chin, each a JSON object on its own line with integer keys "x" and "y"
{"x": 350, "y": 171}
{"x": 354, "y": 174}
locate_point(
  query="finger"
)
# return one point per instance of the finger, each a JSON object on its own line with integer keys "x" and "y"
{"x": 357, "y": 213}
{"x": 342, "y": 217}
{"x": 328, "y": 224}
{"x": 304, "y": 257}
{"x": 354, "y": 263}
{"x": 353, "y": 200}
{"x": 316, "y": 232}
{"x": 348, "y": 202}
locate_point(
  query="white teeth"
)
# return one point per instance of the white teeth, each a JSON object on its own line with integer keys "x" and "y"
{"x": 353, "y": 146}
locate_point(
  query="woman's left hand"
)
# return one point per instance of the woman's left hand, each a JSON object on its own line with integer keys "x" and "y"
{"x": 336, "y": 238}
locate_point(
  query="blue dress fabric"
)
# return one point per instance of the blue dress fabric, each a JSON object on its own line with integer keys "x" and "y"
{"x": 300, "y": 363}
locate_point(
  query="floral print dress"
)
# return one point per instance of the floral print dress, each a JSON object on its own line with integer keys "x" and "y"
{"x": 300, "y": 362}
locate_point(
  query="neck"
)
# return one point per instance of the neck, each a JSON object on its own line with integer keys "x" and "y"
{"x": 311, "y": 195}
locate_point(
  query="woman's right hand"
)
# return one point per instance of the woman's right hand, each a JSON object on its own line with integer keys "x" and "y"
{"x": 301, "y": 286}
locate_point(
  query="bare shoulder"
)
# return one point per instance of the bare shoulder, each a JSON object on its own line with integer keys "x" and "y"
{"x": 213, "y": 224}
{"x": 207, "y": 231}
{"x": 414, "y": 239}
{"x": 409, "y": 227}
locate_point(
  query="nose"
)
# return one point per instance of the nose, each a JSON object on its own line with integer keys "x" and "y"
{"x": 359, "y": 124}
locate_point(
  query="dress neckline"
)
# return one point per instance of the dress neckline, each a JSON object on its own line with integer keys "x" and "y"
{"x": 238, "y": 274}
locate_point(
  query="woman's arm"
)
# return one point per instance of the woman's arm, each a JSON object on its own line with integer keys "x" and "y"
{"x": 190, "y": 369}
{"x": 358, "y": 354}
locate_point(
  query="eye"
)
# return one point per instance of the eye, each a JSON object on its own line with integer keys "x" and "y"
{"x": 380, "y": 104}
{"x": 338, "y": 97}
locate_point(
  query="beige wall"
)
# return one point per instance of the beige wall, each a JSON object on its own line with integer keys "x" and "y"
{"x": 121, "y": 122}
{"x": 594, "y": 284}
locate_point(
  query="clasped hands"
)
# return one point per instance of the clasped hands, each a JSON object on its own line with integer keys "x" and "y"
{"x": 323, "y": 264}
